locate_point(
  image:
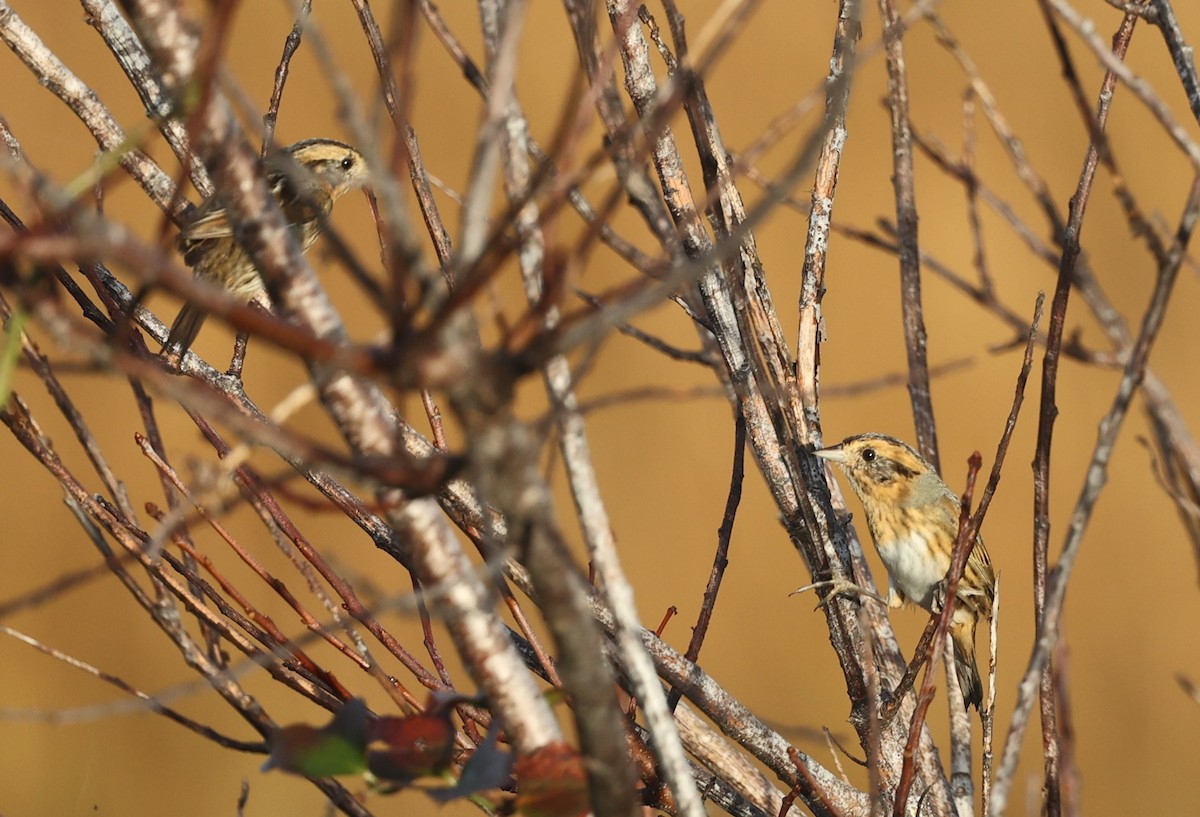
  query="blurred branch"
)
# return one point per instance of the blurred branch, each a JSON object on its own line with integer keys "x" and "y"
{"x": 1171, "y": 471}
{"x": 1182, "y": 54}
{"x": 135, "y": 62}
{"x": 1114, "y": 64}
{"x": 601, "y": 728}
{"x": 58, "y": 79}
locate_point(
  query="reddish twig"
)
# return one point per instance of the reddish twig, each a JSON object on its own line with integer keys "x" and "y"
{"x": 963, "y": 545}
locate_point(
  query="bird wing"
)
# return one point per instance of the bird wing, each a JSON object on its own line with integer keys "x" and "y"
{"x": 209, "y": 223}
{"x": 978, "y": 586}
{"x": 302, "y": 194}
{"x": 301, "y": 203}
{"x": 980, "y": 564}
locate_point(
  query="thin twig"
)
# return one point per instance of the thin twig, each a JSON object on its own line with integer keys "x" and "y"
{"x": 721, "y": 557}
{"x": 1048, "y": 410}
{"x": 903, "y": 182}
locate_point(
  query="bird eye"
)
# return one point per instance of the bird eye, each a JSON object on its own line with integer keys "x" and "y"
{"x": 868, "y": 455}
{"x": 347, "y": 163}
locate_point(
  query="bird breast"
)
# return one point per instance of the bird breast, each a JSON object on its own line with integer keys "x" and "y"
{"x": 914, "y": 567}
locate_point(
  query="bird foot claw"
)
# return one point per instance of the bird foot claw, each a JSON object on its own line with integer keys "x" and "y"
{"x": 839, "y": 587}
{"x": 171, "y": 359}
{"x": 939, "y": 596}
{"x": 888, "y": 710}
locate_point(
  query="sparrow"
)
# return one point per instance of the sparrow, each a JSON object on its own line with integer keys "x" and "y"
{"x": 306, "y": 179}
{"x": 913, "y": 518}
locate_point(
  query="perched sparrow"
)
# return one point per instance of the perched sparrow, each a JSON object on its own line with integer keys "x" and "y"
{"x": 306, "y": 178}
{"x": 913, "y": 517}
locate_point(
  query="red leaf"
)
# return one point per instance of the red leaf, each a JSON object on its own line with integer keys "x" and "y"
{"x": 552, "y": 782}
{"x": 335, "y": 749}
{"x": 403, "y": 749}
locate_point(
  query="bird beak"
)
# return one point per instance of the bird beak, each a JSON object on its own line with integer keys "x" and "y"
{"x": 834, "y": 454}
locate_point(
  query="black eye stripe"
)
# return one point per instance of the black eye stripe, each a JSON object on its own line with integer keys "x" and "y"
{"x": 884, "y": 469}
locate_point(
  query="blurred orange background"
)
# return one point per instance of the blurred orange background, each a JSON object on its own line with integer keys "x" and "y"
{"x": 1133, "y": 600}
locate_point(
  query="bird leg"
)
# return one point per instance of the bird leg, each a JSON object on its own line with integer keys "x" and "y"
{"x": 938, "y": 599}
{"x": 243, "y": 338}
{"x": 238, "y": 361}
{"x": 172, "y": 359}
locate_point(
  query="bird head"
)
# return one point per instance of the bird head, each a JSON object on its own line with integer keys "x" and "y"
{"x": 338, "y": 167}
{"x": 879, "y": 467}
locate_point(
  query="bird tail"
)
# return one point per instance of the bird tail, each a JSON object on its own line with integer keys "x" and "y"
{"x": 962, "y": 631}
{"x": 185, "y": 328}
